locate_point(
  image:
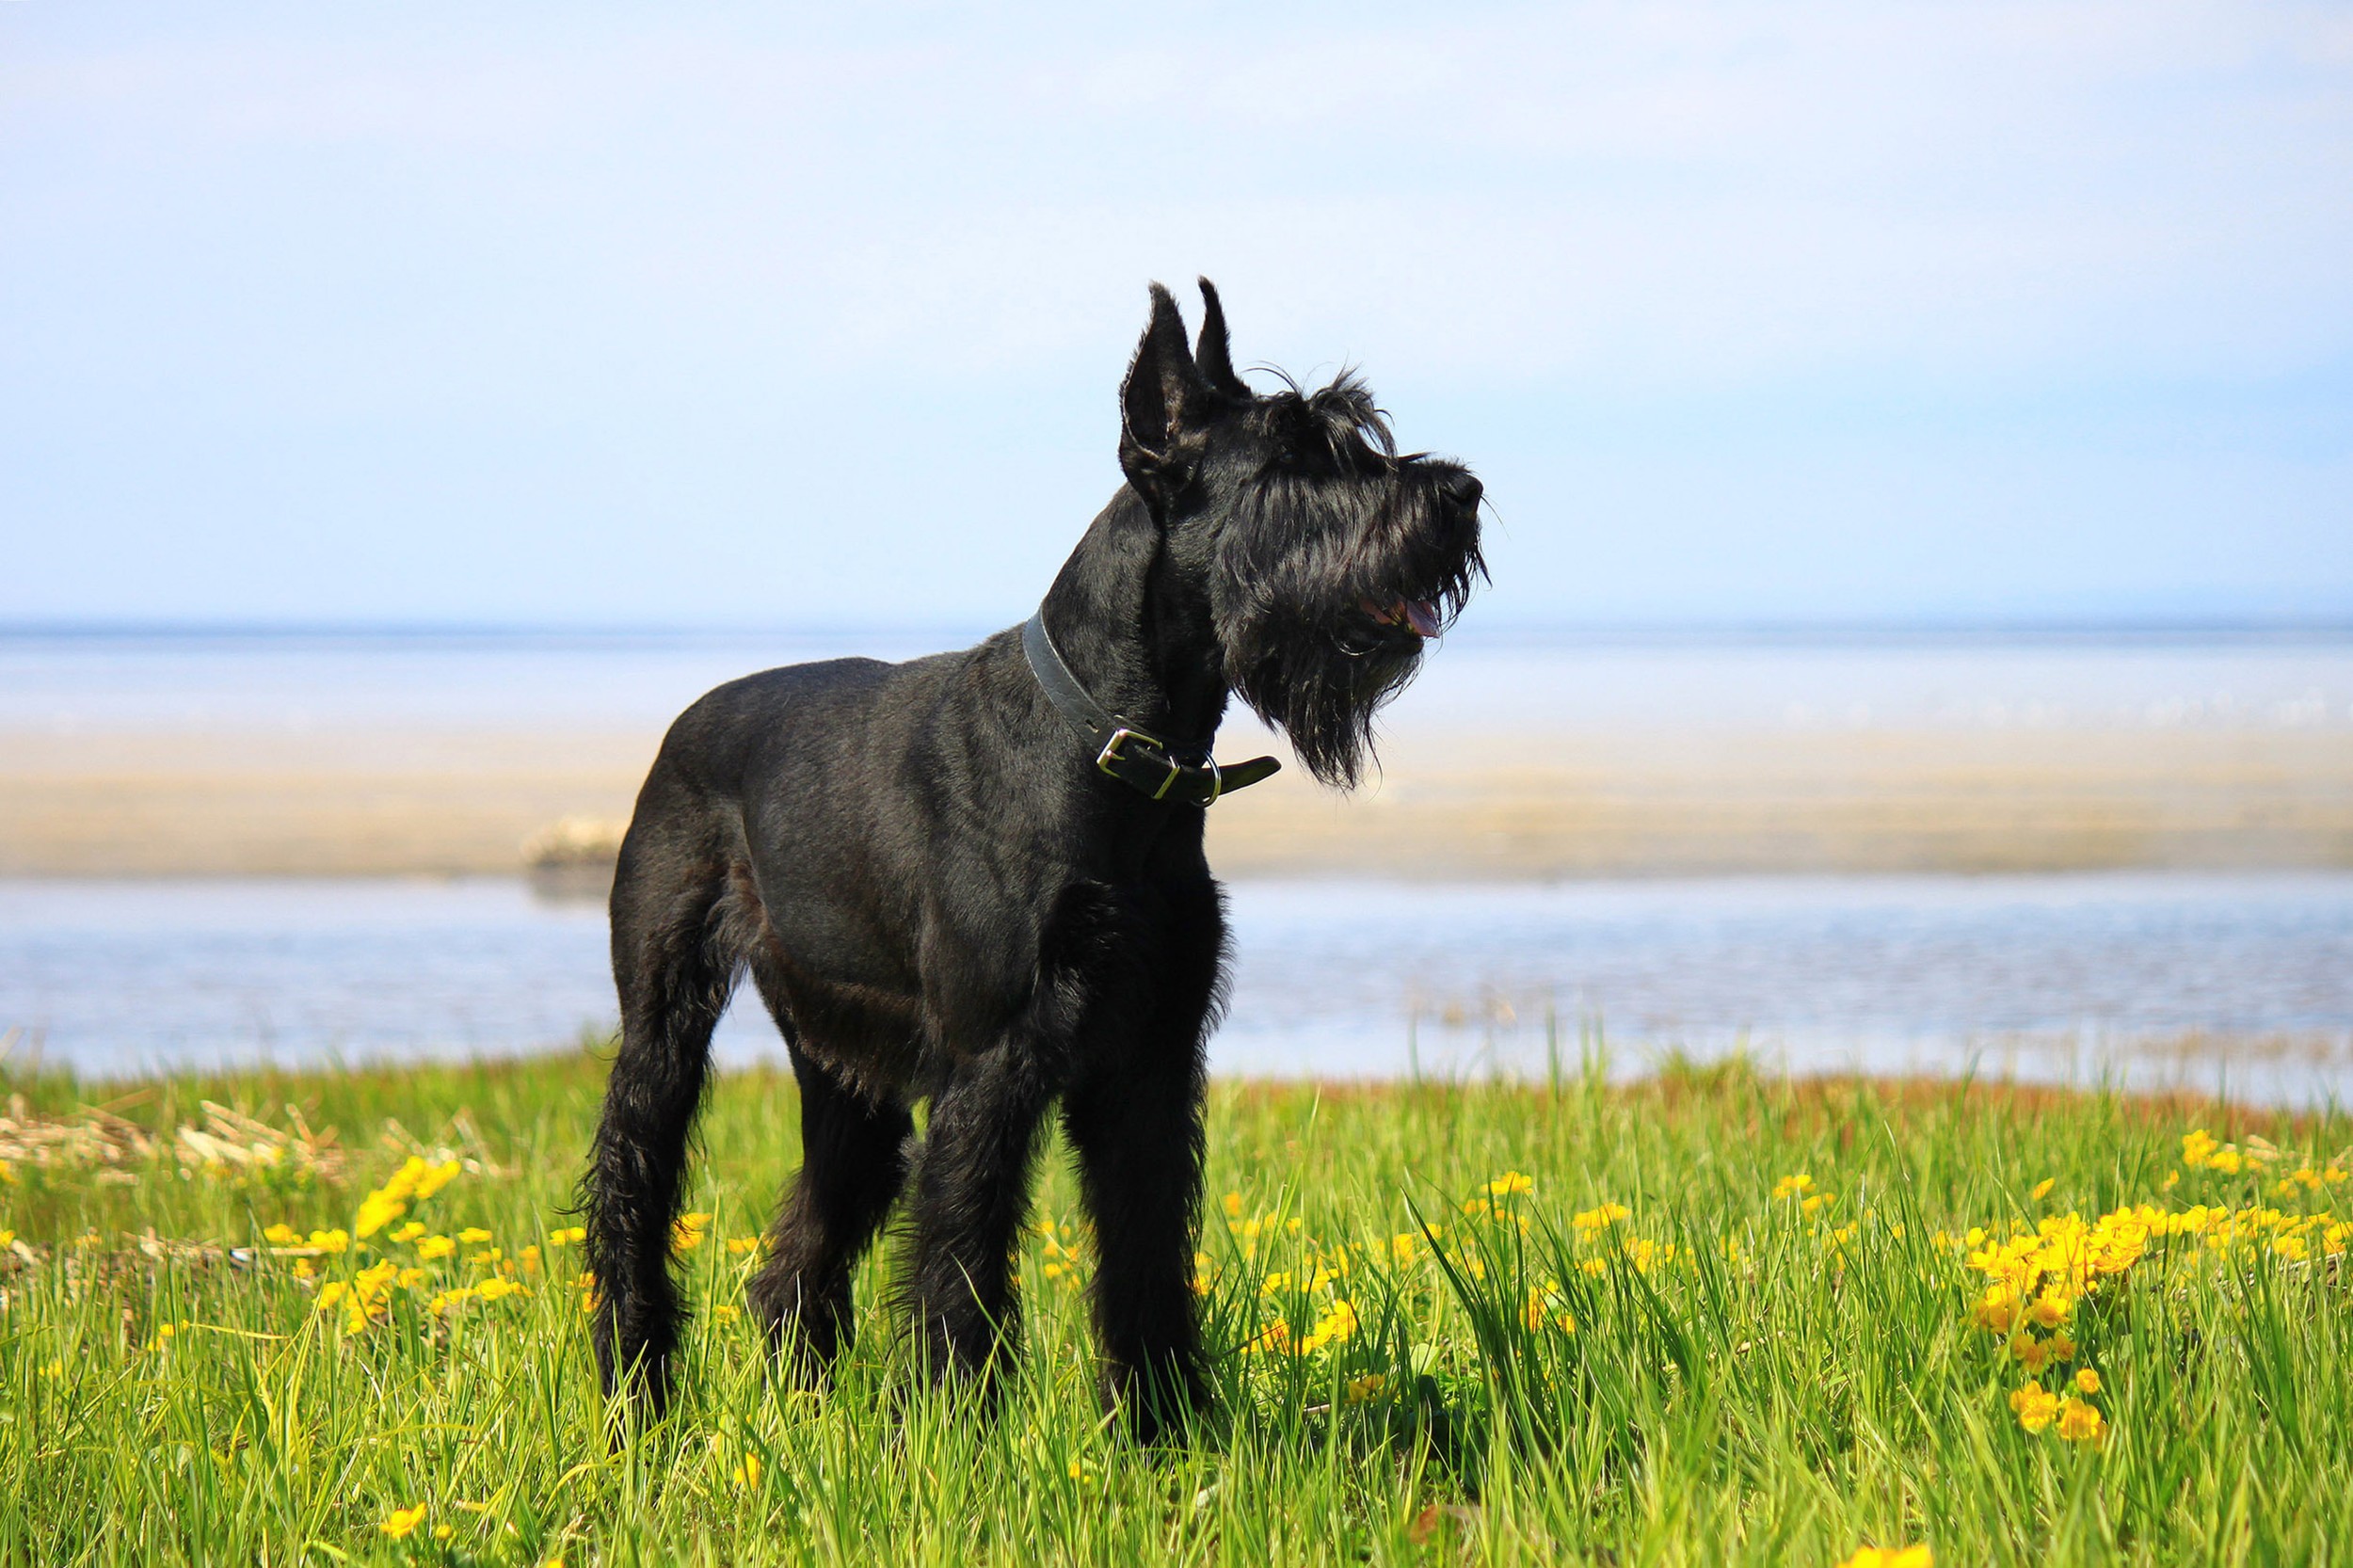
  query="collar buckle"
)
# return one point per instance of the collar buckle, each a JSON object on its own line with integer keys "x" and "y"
{"x": 1130, "y": 755}
{"x": 1108, "y": 759}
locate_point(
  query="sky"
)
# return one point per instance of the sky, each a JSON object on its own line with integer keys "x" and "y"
{"x": 582, "y": 314}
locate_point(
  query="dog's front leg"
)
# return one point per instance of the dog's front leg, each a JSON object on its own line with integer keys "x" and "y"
{"x": 971, "y": 1193}
{"x": 1138, "y": 1136}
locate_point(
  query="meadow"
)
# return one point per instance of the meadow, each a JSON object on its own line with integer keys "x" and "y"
{"x": 1708, "y": 1317}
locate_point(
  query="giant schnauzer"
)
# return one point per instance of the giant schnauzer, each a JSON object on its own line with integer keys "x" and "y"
{"x": 977, "y": 879}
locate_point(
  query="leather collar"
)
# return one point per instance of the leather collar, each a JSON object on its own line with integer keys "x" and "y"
{"x": 1134, "y": 755}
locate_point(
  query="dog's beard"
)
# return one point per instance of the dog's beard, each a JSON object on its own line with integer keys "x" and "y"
{"x": 1297, "y": 679}
{"x": 1318, "y": 633}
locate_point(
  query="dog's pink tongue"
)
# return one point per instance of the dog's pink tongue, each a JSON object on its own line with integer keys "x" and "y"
{"x": 1423, "y": 616}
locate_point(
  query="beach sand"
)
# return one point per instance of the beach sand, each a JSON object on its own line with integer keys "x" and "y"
{"x": 1455, "y": 807}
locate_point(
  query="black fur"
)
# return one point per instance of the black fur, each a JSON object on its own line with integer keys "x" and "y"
{"x": 939, "y": 896}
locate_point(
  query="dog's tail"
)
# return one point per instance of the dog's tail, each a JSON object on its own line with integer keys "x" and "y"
{"x": 678, "y": 946}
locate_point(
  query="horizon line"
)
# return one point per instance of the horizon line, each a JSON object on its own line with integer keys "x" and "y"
{"x": 1831, "y": 629}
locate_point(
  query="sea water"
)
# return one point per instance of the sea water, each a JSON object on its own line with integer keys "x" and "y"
{"x": 2238, "y": 982}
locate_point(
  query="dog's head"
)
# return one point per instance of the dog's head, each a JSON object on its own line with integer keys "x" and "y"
{"x": 1328, "y": 556}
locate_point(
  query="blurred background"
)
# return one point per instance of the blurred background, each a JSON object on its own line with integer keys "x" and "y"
{"x": 1919, "y": 441}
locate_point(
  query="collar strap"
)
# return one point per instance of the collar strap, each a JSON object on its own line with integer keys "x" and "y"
{"x": 1135, "y": 756}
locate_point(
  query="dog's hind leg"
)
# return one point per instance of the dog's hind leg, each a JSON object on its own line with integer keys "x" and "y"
{"x": 676, "y": 951}
{"x": 853, "y": 1161}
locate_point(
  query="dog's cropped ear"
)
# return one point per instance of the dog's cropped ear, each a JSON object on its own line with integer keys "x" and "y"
{"x": 1162, "y": 403}
{"x": 1214, "y": 359}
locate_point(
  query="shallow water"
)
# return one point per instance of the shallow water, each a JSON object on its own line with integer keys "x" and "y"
{"x": 2239, "y": 982}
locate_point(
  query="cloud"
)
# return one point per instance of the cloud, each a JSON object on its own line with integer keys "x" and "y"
{"x": 1682, "y": 264}
{"x": 1668, "y": 194}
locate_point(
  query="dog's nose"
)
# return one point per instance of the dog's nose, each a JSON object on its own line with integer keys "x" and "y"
{"x": 1462, "y": 489}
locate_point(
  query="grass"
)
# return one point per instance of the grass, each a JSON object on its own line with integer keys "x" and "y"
{"x": 1456, "y": 1323}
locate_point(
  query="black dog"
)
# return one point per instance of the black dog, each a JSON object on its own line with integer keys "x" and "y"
{"x": 978, "y": 878}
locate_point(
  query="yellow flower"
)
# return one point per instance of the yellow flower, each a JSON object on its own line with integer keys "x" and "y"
{"x": 2198, "y": 1148}
{"x": 1277, "y": 1336}
{"x": 434, "y": 1177}
{"x": 1644, "y": 1254}
{"x": 2042, "y": 1189}
{"x": 740, "y": 1245}
{"x": 2088, "y": 1381}
{"x": 2081, "y": 1422}
{"x": 377, "y": 1210}
{"x": 494, "y": 1290}
{"x": 687, "y": 1234}
{"x": 568, "y": 1238}
{"x": 1891, "y": 1556}
{"x": 2028, "y": 1349}
{"x": 1366, "y": 1387}
{"x": 403, "y": 1522}
{"x": 1510, "y": 1184}
{"x": 1337, "y": 1322}
{"x": 442, "y": 1532}
{"x": 336, "y": 1240}
{"x": 1233, "y": 1206}
{"x": 723, "y": 1313}
{"x": 1544, "y": 1305}
{"x": 747, "y": 1473}
{"x": 2050, "y": 1310}
{"x": 436, "y": 1246}
{"x": 410, "y": 1232}
{"x": 1593, "y": 1221}
{"x": 2036, "y": 1409}
{"x": 472, "y": 1235}
{"x": 283, "y": 1234}
{"x": 1793, "y": 1186}
{"x": 415, "y": 1179}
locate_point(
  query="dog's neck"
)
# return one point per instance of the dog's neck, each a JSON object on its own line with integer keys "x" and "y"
{"x": 1136, "y": 629}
